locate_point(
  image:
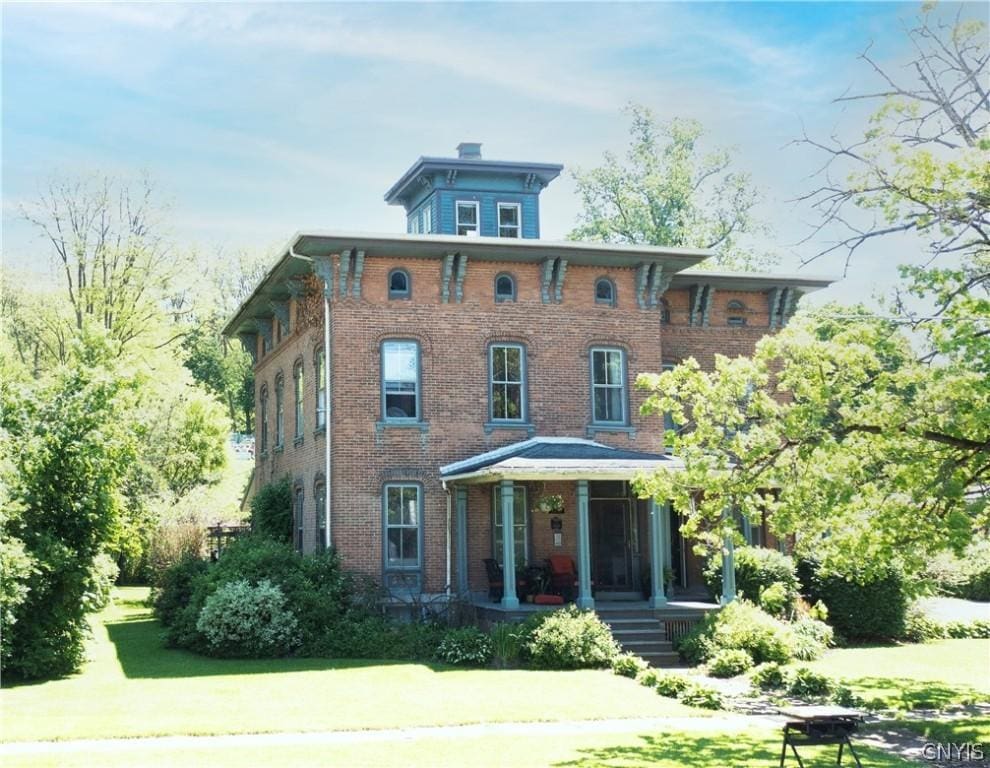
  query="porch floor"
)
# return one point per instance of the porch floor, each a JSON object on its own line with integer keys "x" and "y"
{"x": 675, "y": 606}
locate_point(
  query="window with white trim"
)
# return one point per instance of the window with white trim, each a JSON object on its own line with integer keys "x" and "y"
{"x": 297, "y": 380}
{"x": 263, "y": 418}
{"x": 509, "y": 219}
{"x": 427, "y": 219}
{"x": 467, "y": 217}
{"x": 608, "y": 386}
{"x": 321, "y": 388}
{"x": 507, "y": 383}
{"x": 520, "y": 525}
{"x": 320, "y": 495}
{"x": 400, "y": 380}
{"x": 279, "y": 411}
{"x": 402, "y": 538}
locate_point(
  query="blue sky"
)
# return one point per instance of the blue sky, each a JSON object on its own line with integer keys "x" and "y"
{"x": 258, "y": 120}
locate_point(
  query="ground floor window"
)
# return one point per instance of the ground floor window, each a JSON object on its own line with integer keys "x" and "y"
{"x": 321, "y": 516}
{"x": 297, "y": 515}
{"x": 520, "y": 528}
{"x": 403, "y": 535}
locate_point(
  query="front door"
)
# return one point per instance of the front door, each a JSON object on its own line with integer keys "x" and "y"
{"x": 610, "y": 561}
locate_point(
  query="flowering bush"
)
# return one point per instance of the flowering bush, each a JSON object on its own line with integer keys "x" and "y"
{"x": 468, "y": 645}
{"x": 248, "y": 621}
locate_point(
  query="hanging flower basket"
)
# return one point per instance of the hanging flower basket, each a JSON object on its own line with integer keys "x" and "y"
{"x": 552, "y": 504}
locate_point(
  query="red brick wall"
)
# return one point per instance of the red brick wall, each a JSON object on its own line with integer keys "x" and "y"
{"x": 454, "y": 340}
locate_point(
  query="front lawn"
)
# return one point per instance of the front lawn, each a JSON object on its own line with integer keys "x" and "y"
{"x": 134, "y": 687}
{"x": 754, "y": 748}
{"x": 922, "y": 676}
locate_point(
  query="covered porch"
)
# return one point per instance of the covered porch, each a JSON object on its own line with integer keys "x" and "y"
{"x": 623, "y": 548}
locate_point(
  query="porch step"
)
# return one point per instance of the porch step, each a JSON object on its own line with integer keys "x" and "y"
{"x": 639, "y": 631}
{"x": 661, "y": 659}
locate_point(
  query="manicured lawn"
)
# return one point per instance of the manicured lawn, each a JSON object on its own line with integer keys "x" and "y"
{"x": 926, "y": 675}
{"x": 752, "y": 749}
{"x": 967, "y": 730}
{"x": 134, "y": 687}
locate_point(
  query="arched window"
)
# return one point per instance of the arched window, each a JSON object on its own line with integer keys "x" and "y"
{"x": 736, "y": 313}
{"x": 297, "y": 380}
{"x": 505, "y": 288}
{"x": 664, "y": 312}
{"x": 399, "y": 284}
{"x": 297, "y": 515}
{"x": 604, "y": 291}
{"x": 279, "y": 411}
{"x": 321, "y": 387}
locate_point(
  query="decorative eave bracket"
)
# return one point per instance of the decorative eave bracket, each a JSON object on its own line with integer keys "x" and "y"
{"x": 701, "y": 305}
{"x": 552, "y": 282}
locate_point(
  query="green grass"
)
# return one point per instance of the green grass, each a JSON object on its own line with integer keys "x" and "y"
{"x": 134, "y": 687}
{"x": 966, "y": 730}
{"x": 752, "y": 749}
{"x": 923, "y": 676}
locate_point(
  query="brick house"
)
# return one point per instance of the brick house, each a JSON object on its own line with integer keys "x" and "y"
{"x": 435, "y": 395}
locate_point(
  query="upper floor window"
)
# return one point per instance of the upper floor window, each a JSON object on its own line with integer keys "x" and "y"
{"x": 279, "y": 411}
{"x": 321, "y": 388}
{"x": 509, "y": 218}
{"x": 427, "y": 219}
{"x": 263, "y": 418}
{"x": 399, "y": 284}
{"x": 297, "y": 380}
{"x": 400, "y": 380}
{"x": 505, "y": 288}
{"x": 414, "y": 224}
{"x": 508, "y": 382}
{"x": 608, "y": 386}
{"x": 605, "y": 291}
{"x": 664, "y": 312}
{"x": 520, "y": 525}
{"x": 736, "y": 313}
{"x": 467, "y": 217}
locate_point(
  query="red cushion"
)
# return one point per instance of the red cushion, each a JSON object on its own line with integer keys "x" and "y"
{"x": 548, "y": 600}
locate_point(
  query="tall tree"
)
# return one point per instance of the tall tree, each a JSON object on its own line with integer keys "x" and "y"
{"x": 669, "y": 192}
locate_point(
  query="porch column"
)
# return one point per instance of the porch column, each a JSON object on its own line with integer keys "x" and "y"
{"x": 728, "y": 571}
{"x": 668, "y": 550}
{"x": 460, "y": 502}
{"x": 657, "y": 597}
{"x": 584, "y": 600}
{"x": 509, "y": 599}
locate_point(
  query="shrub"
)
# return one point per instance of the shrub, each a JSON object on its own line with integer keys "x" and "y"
{"x": 271, "y": 511}
{"x": 698, "y": 695}
{"x": 571, "y": 639}
{"x": 960, "y": 629}
{"x": 811, "y": 638}
{"x": 859, "y": 609}
{"x": 966, "y": 576}
{"x": 918, "y": 628}
{"x": 248, "y": 621}
{"x": 670, "y": 684}
{"x": 729, "y": 662}
{"x": 102, "y": 576}
{"x": 739, "y": 626}
{"x": 506, "y": 643}
{"x": 775, "y": 599}
{"x": 375, "y": 637}
{"x": 466, "y": 645}
{"x": 843, "y": 696}
{"x": 175, "y": 588}
{"x": 648, "y": 678}
{"x": 628, "y": 665}
{"x": 170, "y": 544}
{"x": 806, "y": 682}
{"x": 768, "y": 676}
{"x": 979, "y": 628}
{"x": 757, "y": 568}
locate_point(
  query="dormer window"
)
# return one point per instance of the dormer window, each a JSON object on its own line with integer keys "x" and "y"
{"x": 509, "y": 217}
{"x": 505, "y": 289}
{"x": 399, "y": 285}
{"x": 467, "y": 217}
{"x": 736, "y": 317}
{"x": 605, "y": 291}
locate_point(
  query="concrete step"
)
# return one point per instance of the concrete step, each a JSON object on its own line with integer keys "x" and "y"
{"x": 608, "y": 614}
{"x": 644, "y": 633}
{"x": 621, "y": 624}
{"x": 640, "y": 647}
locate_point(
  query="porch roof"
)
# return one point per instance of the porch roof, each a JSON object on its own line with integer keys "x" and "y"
{"x": 557, "y": 458}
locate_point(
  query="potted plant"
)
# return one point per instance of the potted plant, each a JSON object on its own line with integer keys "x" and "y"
{"x": 551, "y": 504}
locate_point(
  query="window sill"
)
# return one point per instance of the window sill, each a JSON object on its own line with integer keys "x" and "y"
{"x": 297, "y": 442}
{"x": 422, "y": 426}
{"x": 320, "y": 431}
{"x": 593, "y": 429}
{"x": 278, "y": 449}
{"x": 263, "y": 455}
{"x": 491, "y": 426}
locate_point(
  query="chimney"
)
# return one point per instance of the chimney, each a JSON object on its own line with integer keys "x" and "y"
{"x": 469, "y": 150}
